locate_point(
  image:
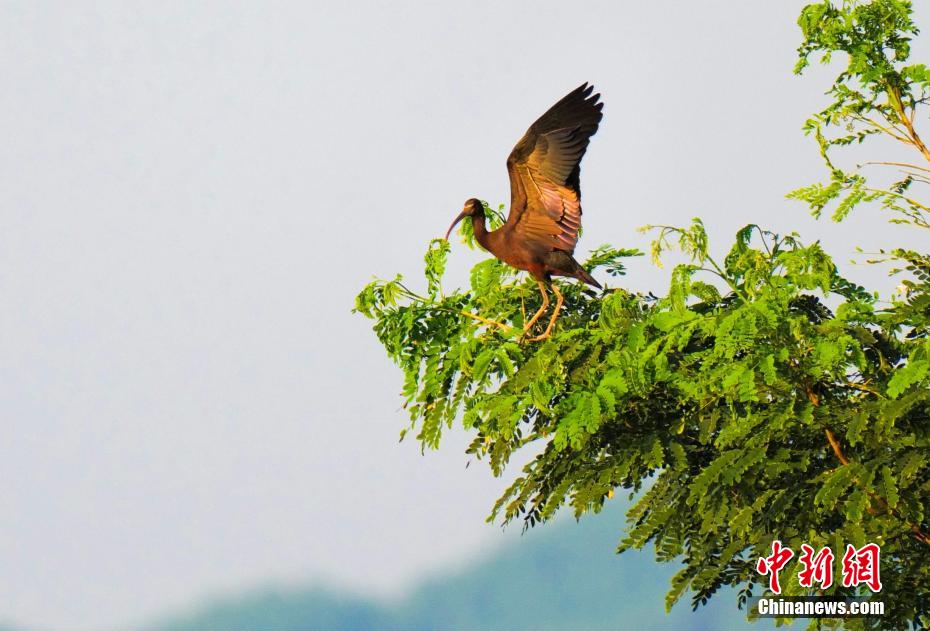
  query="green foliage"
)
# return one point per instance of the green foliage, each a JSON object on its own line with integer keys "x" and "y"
{"x": 877, "y": 96}
{"x": 762, "y": 396}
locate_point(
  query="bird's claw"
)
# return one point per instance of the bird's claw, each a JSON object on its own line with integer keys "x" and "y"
{"x": 524, "y": 337}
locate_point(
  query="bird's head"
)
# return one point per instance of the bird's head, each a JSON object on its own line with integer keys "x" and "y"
{"x": 473, "y": 208}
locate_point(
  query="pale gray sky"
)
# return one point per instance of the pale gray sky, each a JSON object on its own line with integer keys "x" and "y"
{"x": 192, "y": 193}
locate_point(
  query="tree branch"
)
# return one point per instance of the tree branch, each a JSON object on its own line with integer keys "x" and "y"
{"x": 919, "y": 534}
{"x": 894, "y": 94}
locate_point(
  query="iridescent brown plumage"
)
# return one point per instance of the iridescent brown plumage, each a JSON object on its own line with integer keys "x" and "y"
{"x": 545, "y": 199}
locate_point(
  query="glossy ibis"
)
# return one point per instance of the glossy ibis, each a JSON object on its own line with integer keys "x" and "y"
{"x": 545, "y": 199}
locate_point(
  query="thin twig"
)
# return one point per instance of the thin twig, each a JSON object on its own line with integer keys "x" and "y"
{"x": 912, "y": 202}
{"x": 503, "y": 327}
{"x": 862, "y": 388}
{"x": 895, "y": 164}
{"x": 897, "y": 135}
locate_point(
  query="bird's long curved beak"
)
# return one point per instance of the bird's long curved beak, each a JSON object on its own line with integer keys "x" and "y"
{"x": 457, "y": 219}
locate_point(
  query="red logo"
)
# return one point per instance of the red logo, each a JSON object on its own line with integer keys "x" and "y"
{"x": 773, "y": 564}
{"x": 860, "y": 567}
{"x": 817, "y": 568}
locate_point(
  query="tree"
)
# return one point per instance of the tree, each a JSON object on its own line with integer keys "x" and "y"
{"x": 762, "y": 397}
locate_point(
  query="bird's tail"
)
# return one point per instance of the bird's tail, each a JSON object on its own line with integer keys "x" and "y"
{"x": 582, "y": 275}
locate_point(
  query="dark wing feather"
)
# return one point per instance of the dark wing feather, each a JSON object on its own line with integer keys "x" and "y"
{"x": 544, "y": 167}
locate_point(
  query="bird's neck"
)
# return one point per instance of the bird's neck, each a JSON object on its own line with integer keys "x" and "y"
{"x": 481, "y": 231}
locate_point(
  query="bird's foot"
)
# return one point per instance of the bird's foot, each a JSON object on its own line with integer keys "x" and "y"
{"x": 525, "y": 335}
{"x": 548, "y": 332}
{"x": 545, "y": 335}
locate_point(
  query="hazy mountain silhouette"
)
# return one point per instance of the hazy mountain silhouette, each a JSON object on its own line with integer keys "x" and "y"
{"x": 561, "y": 576}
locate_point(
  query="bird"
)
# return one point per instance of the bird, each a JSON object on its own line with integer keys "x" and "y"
{"x": 544, "y": 222}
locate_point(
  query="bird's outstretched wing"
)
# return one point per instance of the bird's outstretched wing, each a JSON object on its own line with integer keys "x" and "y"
{"x": 545, "y": 195}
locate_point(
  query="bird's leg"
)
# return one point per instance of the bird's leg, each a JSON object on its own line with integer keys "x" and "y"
{"x": 555, "y": 314}
{"x": 542, "y": 309}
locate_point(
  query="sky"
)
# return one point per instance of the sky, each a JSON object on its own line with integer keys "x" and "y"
{"x": 191, "y": 194}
